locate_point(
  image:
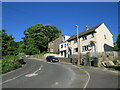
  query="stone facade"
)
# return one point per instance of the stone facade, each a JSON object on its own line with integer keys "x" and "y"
{"x": 54, "y": 45}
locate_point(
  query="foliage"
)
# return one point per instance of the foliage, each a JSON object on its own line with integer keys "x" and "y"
{"x": 118, "y": 41}
{"x": 36, "y": 40}
{"x": 37, "y": 37}
{"x": 116, "y": 47}
{"x": 10, "y": 62}
{"x": 9, "y": 46}
{"x": 21, "y": 48}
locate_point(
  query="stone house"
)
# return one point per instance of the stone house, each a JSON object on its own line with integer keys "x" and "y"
{"x": 53, "y": 46}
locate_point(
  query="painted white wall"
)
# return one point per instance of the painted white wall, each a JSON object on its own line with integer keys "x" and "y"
{"x": 64, "y": 49}
{"x": 101, "y": 31}
{"x": 98, "y": 38}
{"x": 65, "y": 37}
{"x": 73, "y": 45}
{"x": 65, "y": 46}
{"x": 87, "y": 42}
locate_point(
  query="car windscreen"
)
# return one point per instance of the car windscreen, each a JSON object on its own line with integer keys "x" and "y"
{"x": 51, "y": 56}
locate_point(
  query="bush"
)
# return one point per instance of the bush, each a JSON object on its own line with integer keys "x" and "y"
{"x": 11, "y": 62}
{"x": 7, "y": 67}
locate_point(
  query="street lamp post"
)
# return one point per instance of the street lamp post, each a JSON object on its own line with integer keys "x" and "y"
{"x": 78, "y": 44}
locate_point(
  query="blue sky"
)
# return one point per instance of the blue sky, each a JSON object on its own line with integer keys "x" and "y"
{"x": 17, "y": 17}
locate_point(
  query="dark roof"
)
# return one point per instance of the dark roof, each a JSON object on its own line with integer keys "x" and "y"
{"x": 84, "y": 33}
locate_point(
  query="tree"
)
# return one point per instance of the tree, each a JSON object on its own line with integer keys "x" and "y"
{"x": 118, "y": 41}
{"x": 21, "y": 48}
{"x": 116, "y": 47}
{"x": 9, "y": 46}
{"x": 38, "y": 36}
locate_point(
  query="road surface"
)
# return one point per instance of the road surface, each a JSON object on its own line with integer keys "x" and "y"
{"x": 41, "y": 74}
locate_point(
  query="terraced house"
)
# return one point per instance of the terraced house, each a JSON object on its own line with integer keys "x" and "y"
{"x": 96, "y": 39}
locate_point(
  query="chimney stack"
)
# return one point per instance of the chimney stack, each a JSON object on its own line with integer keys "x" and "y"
{"x": 87, "y": 28}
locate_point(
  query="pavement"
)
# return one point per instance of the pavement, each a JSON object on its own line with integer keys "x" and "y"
{"x": 41, "y": 74}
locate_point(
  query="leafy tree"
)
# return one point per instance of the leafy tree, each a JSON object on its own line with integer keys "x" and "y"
{"x": 38, "y": 36}
{"x": 9, "y": 46}
{"x": 116, "y": 47}
{"x": 118, "y": 41}
{"x": 21, "y": 48}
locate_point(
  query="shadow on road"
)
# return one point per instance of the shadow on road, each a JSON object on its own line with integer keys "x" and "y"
{"x": 114, "y": 67}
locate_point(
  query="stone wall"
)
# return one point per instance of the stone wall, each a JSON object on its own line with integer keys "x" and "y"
{"x": 107, "y": 58}
{"x": 92, "y": 59}
{"x": 99, "y": 58}
{"x": 68, "y": 60}
{"x": 111, "y": 54}
{"x": 37, "y": 56}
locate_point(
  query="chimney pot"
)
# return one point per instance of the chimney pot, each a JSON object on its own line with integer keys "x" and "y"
{"x": 87, "y": 28}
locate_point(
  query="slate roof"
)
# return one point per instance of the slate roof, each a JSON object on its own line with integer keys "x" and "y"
{"x": 83, "y": 33}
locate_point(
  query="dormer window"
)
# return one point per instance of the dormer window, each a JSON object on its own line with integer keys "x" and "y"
{"x": 84, "y": 37}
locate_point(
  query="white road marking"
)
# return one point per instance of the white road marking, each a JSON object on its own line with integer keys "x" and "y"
{"x": 56, "y": 83}
{"x": 31, "y": 75}
{"x": 88, "y": 77}
{"x": 34, "y": 73}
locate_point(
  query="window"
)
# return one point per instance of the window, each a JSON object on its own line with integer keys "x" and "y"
{"x": 85, "y": 48}
{"x": 84, "y": 37}
{"x": 61, "y": 53}
{"x": 105, "y": 37}
{"x": 92, "y": 35}
{"x": 75, "y": 49}
{"x": 64, "y": 37}
{"x": 61, "y": 46}
{"x": 65, "y": 45}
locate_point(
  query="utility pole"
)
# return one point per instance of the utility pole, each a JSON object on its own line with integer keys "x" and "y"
{"x": 78, "y": 44}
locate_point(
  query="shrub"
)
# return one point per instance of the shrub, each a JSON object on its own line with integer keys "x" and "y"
{"x": 11, "y": 62}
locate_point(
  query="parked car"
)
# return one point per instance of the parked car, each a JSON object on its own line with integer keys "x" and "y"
{"x": 52, "y": 59}
{"x": 26, "y": 55}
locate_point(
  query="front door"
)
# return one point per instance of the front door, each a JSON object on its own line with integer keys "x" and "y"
{"x": 65, "y": 53}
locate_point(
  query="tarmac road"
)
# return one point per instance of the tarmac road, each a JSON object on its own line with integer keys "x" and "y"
{"x": 41, "y": 74}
